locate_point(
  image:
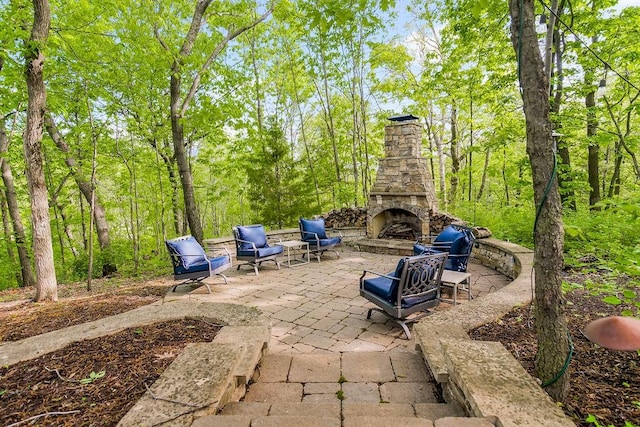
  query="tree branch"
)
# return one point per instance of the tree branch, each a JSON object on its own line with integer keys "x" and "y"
{"x": 231, "y": 34}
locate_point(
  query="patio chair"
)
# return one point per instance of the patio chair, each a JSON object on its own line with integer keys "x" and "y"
{"x": 313, "y": 232}
{"x": 456, "y": 240}
{"x": 414, "y": 287}
{"x": 192, "y": 265}
{"x": 252, "y": 246}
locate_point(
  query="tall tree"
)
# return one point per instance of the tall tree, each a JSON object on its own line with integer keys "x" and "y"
{"x": 551, "y": 323}
{"x": 27, "y": 277}
{"x": 179, "y": 104}
{"x": 88, "y": 191}
{"x": 46, "y": 283}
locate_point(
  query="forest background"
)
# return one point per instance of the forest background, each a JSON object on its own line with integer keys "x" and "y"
{"x": 279, "y": 109}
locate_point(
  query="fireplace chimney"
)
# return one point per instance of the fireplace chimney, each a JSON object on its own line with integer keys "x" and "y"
{"x": 403, "y": 194}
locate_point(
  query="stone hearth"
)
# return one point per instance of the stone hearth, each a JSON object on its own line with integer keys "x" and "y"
{"x": 403, "y": 192}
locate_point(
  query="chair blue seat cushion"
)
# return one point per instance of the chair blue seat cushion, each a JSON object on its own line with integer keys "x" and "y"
{"x": 325, "y": 242}
{"x": 409, "y": 302}
{"x": 313, "y": 226}
{"x": 189, "y": 251}
{"x": 384, "y": 287}
{"x": 261, "y": 252}
{"x": 203, "y": 265}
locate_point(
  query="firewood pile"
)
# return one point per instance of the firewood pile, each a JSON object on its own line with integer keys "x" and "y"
{"x": 398, "y": 230}
{"x": 439, "y": 220}
{"x": 346, "y": 217}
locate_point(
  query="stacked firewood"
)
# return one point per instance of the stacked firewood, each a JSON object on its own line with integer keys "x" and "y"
{"x": 439, "y": 220}
{"x": 398, "y": 230}
{"x": 346, "y": 217}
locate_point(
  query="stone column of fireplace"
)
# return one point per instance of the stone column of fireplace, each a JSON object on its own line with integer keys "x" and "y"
{"x": 403, "y": 191}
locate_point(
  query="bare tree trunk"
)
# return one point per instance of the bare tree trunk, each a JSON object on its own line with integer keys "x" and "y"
{"x": 28, "y": 278}
{"x": 504, "y": 176}
{"x": 455, "y": 160}
{"x": 483, "y": 182}
{"x": 304, "y": 133}
{"x": 622, "y": 137}
{"x": 565, "y": 179}
{"x": 179, "y": 106}
{"x": 99, "y": 212}
{"x": 46, "y": 283}
{"x": 329, "y": 115}
{"x": 6, "y": 229}
{"x": 470, "y": 148}
{"x": 551, "y": 323}
{"x": 593, "y": 154}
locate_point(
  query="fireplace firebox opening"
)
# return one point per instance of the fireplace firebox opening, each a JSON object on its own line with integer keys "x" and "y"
{"x": 397, "y": 224}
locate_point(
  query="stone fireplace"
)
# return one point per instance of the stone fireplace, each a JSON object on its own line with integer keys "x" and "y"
{"x": 403, "y": 195}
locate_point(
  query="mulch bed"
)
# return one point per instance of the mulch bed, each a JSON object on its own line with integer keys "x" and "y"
{"x": 604, "y": 383}
{"x": 94, "y": 382}
{"x": 24, "y": 319}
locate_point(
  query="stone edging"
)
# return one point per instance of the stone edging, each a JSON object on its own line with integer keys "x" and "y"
{"x": 483, "y": 376}
{"x": 200, "y": 381}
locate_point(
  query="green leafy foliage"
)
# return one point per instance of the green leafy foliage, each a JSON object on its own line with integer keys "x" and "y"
{"x": 93, "y": 376}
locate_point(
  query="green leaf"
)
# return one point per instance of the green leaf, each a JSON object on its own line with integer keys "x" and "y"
{"x": 612, "y": 299}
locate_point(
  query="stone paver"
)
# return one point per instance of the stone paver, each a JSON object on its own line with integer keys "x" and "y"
{"x": 367, "y": 367}
{"x": 310, "y": 410}
{"x": 251, "y": 409}
{"x": 295, "y": 421}
{"x": 274, "y": 392}
{"x": 315, "y": 368}
{"x": 273, "y": 368}
{"x": 361, "y": 392}
{"x": 377, "y": 409}
{"x": 434, "y": 411}
{"x": 409, "y": 367}
{"x": 396, "y": 392}
{"x": 223, "y": 421}
{"x": 386, "y": 422}
{"x": 322, "y": 298}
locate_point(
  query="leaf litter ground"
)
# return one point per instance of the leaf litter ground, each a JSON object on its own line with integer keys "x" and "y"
{"x": 604, "y": 384}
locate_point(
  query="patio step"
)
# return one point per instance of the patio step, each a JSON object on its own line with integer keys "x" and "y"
{"x": 294, "y": 414}
{"x": 354, "y": 389}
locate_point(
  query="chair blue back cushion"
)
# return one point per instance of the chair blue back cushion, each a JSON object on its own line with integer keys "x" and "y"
{"x": 203, "y": 266}
{"x": 252, "y": 233}
{"x": 189, "y": 251}
{"x": 313, "y": 226}
{"x": 455, "y": 241}
{"x": 384, "y": 287}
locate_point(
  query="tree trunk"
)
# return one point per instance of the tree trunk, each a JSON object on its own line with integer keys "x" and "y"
{"x": 593, "y": 154}
{"x": 485, "y": 169}
{"x": 6, "y": 228}
{"x": 46, "y": 284}
{"x": 551, "y": 324}
{"x": 99, "y": 212}
{"x": 179, "y": 106}
{"x": 455, "y": 160}
{"x": 28, "y": 278}
{"x": 565, "y": 179}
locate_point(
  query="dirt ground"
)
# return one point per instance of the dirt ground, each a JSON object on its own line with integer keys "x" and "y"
{"x": 95, "y": 382}
{"x": 604, "y": 383}
{"x": 92, "y": 382}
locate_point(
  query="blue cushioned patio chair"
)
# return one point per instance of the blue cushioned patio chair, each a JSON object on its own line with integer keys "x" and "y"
{"x": 456, "y": 240}
{"x": 313, "y": 232}
{"x": 252, "y": 246}
{"x": 414, "y": 287}
{"x": 192, "y": 265}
